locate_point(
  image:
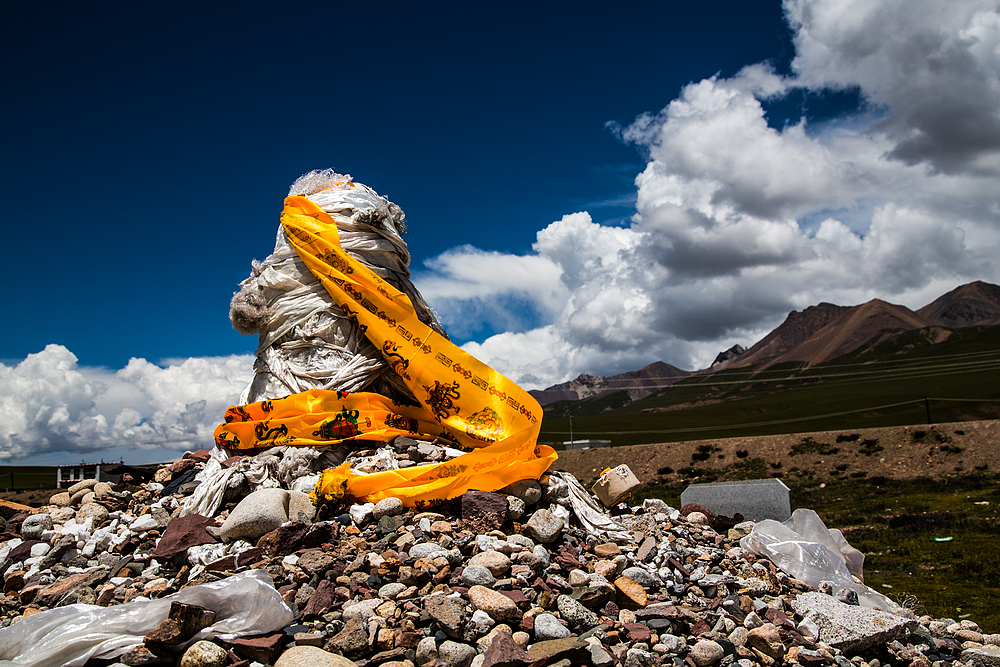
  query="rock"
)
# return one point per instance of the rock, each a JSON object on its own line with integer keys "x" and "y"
{"x": 102, "y": 490}
{"x": 528, "y": 490}
{"x": 316, "y": 562}
{"x": 83, "y": 485}
{"x": 310, "y": 656}
{"x": 706, "y": 652}
{"x": 548, "y": 626}
{"x": 575, "y": 613}
{"x": 497, "y": 563}
{"x": 60, "y": 499}
{"x": 848, "y": 627}
{"x": 204, "y": 654}
{"x": 573, "y": 649}
{"x": 263, "y": 648}
{"x": 182, "y": 533}
{"x": 982, "y": 656}
{"x": 300, "y": 507}
{"x": 544, "y": 526}
{"x": 182, "y": 622}
{"x": 449, "y": 613}
{"x": 456, "y": 654}
{"x": 630, "y": 594}
{"x": 483, "y": 511}
{"x": 36, "y": 524}
{"x": 474, "y": 574}
{"x": 497, "y": 605}
{"x": 503, "y": 651}
{"x": 766, "y": 640}
{"x": 387, "y": 507}
{"x": 261, "y": 512}
{"x": 99, "y": 514}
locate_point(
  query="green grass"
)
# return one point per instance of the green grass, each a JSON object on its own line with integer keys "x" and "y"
{"x": 859, "y": 391}
{"x": 24, "y": 478}
{"x": 895, "y": 523}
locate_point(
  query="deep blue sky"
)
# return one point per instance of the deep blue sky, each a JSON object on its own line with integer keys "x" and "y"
{"x": 148, "y": 146}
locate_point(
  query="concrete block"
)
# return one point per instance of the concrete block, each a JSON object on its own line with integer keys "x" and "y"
{"x": 755, "y": 499}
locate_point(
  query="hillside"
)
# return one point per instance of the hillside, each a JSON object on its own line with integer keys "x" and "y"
{"x": 899, "y": 452}
{"x": 974, "y": 303}
{"x": 637, "y": 384}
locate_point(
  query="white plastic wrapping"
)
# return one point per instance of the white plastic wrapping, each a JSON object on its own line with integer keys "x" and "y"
{"x": 565, "y": 488}
{"x": 245, "y": 604}
{"x": 804, "y": 548}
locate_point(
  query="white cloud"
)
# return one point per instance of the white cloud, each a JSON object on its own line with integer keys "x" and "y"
{"x": 49, "y": 404}
{"x": 738, "y": 222}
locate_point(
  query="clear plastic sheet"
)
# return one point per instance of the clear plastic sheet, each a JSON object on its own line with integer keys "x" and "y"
{"x": 245, "y": 604}
{"x": 804, "y": 548}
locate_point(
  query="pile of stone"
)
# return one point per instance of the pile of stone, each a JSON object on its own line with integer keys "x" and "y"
{"x": 487, "y": 580}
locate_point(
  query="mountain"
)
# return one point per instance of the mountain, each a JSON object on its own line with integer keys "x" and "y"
{"x": 797, "y": 328}
{"x": 971, "y": 304}
{"x": 638, "y": 384}
{"x": 728, "y": 355}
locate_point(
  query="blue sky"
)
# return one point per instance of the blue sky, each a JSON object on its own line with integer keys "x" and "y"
{"x": 588, "y": 187}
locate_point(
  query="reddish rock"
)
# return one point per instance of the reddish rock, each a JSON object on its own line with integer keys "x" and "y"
{"x": 182, "y": 623}
{"x": 263, "y": 648}
{"x": 504, "y": 652}
{"x": 637, "y": 632}
{"x": 320, "y": 601}
{"x": 695, "y": 507}
{"x": 182, "y": 533}
{"x": 284, "y": 540}
{"x": 483, "y": 511}
{"x": 180, "y": 465}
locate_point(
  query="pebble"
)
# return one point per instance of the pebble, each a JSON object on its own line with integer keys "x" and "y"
{"x": 260, "y": 512}
{"x": 548, "y": 626}
{"x": 204, "y": 654}
{"x": 311, "y": 656}
{"x": 497, "y": 605}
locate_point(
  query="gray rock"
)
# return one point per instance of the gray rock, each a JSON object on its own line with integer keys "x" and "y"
{"x": 850, "y": 628}
{"x": 259, "y": 513}
{"x": 544, "y": 526}
{"x": 635, "y": 657}
{"x": 427, "y": 550}
{"x": 204, "y": 654}
{"x": 527, "y": 490}
{"x": 390, "y": 591}
{"x": 456, "y": 654}
{"x": 83, "y": 485}
{"x": 706, "y": 652}
{"x": 300, "y": 507}
{"x": 548, "y": 626}
{"x": 36, "y": 524}
{"x": 984, "y": 656}
{"x": 575, "y": 613}
{"x": 387, "y": 507}
{"x": 426, "y": 650}
{"x": 515, "y": 508}
{"x": 641, "y": 577}
{"x": 475, "y": 574}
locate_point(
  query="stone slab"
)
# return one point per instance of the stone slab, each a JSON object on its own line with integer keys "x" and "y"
{"x": 755, "y": 499}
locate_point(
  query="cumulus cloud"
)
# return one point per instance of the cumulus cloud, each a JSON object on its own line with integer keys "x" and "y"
{"x": 739, "y": 220}
{"x": 49, "y": 403}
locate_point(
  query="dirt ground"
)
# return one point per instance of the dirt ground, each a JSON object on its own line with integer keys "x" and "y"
{"x": 944, "y": 449}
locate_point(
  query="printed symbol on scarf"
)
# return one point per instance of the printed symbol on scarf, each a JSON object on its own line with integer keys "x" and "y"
{"x": 353, "y": 314}
{"x": 342, "y": 394}
{"x": 336, "y": 261}
{"x": 441, "y": 399}
{"x": 237, "y": 411}
{"x": 445, "y": 361}
{"x": 396, "y": 361}
{"x": 263, "y": 431}
{"x": 485, "y": 425}
{"x": 342, "y": 426}
{"x": 228, "y": 440}
{"x": 401, "y": 422}
{"x": 464, "y": 372}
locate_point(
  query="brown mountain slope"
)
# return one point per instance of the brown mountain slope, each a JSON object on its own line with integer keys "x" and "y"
{"x": 869, "y": 322}
{"x": 797, "y": 328}
{"x": 968, "y": 305}
{"x": 638, "y": 384}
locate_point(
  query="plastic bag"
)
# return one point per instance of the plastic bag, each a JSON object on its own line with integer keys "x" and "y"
{"x": 591, "y": 516}
{"x": 804, "y": 548}
{"x": 462, "y": 400}
{"x": 245, "y": 604}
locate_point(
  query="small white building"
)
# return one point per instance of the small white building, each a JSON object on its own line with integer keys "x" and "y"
{"x": 586, "y": 444}
{"x": 68, "y": 475}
